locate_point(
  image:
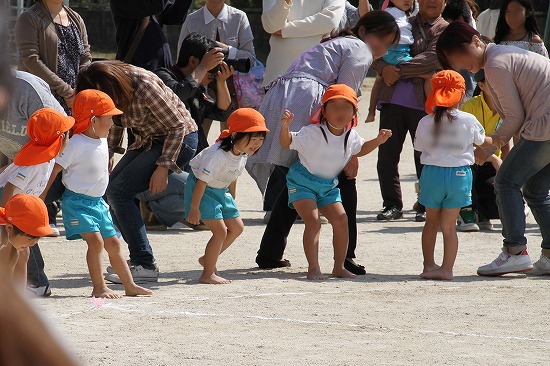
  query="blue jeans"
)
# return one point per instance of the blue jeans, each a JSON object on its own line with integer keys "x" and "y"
{"x": 527, "y": 168}
{"x": 131, "y": 177}
{"x": 168, "y": 206}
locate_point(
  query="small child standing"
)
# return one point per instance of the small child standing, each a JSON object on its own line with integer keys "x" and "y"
{"x": 446, "y": 139}
{"x": 211, "y": 186}
{"x": 85, "y": 175}
{"x": 324, "y": 148}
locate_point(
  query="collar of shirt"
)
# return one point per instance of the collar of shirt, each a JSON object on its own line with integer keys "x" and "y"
{"x": 427, "y": 22}
{"x": 223, "y": 16}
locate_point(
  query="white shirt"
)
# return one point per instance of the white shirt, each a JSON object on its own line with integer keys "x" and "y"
{"x": 324, "y": 159}
{"x": 28, "y": 179}
{"x": 454, "y": 146}
{"x": 216, "y": 167}
{"x": 85, "y": 163}
{"x": 402, "y": 21}
{"x": 487, "y": 22}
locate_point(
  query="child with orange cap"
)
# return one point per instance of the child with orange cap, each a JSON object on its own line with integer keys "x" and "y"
{"x": 211, "y": 186}
{"x": 324, "y": 148}
{"x": 86, "y": 175}
{"x": 48, "y": 131}
{"x": 446, "y": 138}
{"x": 23, "y": 221}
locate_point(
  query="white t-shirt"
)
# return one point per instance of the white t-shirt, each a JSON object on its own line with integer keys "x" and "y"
{"x": 28, "y": 179}
{"x": 454, "y": 146}
{"x": 405, "y": 27}
{"x": 85, "y": 163}
{"x": 216, "y": 167}
{"x": 324, "y": 159}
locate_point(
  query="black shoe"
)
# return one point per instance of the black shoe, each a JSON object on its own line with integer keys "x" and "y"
{"x": 266, "y": 263}
{"x": 420, "y": 215}
{"x": 354, "y": 268}
{"x": 390, "y": 213}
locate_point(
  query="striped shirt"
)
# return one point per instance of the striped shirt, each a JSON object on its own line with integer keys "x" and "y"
{"x": 155, "y": 115}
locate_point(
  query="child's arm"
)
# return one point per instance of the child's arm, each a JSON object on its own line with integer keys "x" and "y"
{"x": 194, "y": 214}
{"x": 7, "y": 193}
{"x": 56, "y": 170}
{"x": 285, "y": 137}
{"x": 233, "y": 189}
{"x": 370, "y": 145}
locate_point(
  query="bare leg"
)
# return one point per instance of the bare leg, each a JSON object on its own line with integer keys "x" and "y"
{"x": 235, "y": 228}
{"x": 212, "y": 252}
{"x": 94, "y": 258}
{"x": 429, "y": 237}
{"x": 112, "y": 246}
{"x": 337, "y": 217}
{"x": 20, "y": 271}
{"x": 373, "y": 99}
{"x": 307, "y": 209}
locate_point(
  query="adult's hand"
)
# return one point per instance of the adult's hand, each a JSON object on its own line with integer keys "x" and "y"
{"x": 159, "y": 180}
{"x": 481, "y": 155}
{"x": 390, "y": 74}
{"x": 352, "y": 168}
{"x": 69, "y": 98}
{"x": 211, "y": 59}
{"x": 278, "y": 34}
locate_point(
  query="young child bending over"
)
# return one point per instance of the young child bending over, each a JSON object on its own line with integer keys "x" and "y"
{"x": 446, "y": 139}
{"x": 212, "y": 183}
{"x": 324, "y": 148}
{"x": 85, "y": 175}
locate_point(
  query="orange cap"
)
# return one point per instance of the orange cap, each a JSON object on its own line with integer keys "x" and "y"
{"x": 28, "y": 213}
{"x": 448, "y": 87}
{"x": 337, "y": 91}
{"x": 89, "y": 103}
{"x": 45, "y": 129}
{"x": 244, "y": 120}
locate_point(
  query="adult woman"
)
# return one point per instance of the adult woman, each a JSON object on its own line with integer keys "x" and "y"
{"x": 342, "y": 60}
{"x": 53, "y": 45}
{"x": 519, "y": 82}
{"x": 166, "y": 140}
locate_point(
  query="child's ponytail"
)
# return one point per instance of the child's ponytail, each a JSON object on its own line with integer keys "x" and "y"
{"x": 439, "y": 112}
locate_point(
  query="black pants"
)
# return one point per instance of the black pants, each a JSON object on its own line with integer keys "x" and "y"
{"x": 275, "y": 184}
{"x": 274, "y": 240}
{"x": 483, "y": 190}
{"x": 401, "y": 120}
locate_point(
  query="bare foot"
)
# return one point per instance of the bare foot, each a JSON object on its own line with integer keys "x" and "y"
{"x": 105, "y": 293}
{"x": 438, "y": 274}
{"x": 429, "y": 269}
{"x": 135, "y": 290}
{"x": 370, "y": 117}
{"x": 214, "y": 280}
{"x": 342, "y": 273}
{"x": 201, "y": 262}
{"x": 315, "y": 274}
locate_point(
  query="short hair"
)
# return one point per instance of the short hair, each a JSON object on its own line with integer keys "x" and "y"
{"x": 457, "y": 10}
{"x": 194, "y": 45}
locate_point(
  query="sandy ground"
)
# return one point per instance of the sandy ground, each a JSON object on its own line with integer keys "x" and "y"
{"x": 388, "y": 317}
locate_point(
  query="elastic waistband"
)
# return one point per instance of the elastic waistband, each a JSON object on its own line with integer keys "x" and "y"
{"x": 70, "y": 193}
{"x": 300, "y": 169}
{"x": 454, "y": 168}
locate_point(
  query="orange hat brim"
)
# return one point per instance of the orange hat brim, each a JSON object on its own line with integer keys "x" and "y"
{"x": 439, "y": 99}
{"x": 32, "y": 154}
{"x": 351, "y": 100}
{"x": 39, "y": 231}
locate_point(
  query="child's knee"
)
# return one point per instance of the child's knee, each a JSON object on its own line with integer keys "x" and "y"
{"x": 95, "y": 245}
{"x": 340, "y": 221}
{"x": 313, "y": 224}
{"x": 112, "y": 244}
{"x": 220, "y": 233}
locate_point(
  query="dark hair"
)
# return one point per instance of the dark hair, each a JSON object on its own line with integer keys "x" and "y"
{"x": 194, "y": 45}
{"x": 454, "y": 39}
{"x": 439, "y": 112}
{"x": 408, "y": 12}
{"x": 227, "y": 143}
{"x": 531, "y": 26}
{"x": 18, "y": 231}
{"x": 111, "y": 77}
{"x": 377, "y": 22}
{"x": 495, "y": 4}
{"x": 457, "y": 10}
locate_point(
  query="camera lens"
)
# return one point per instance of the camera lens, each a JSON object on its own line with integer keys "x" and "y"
{"x": 240, "y": 65}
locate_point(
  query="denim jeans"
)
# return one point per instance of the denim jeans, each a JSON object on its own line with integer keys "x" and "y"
{"x": 131, "y": 177}
{"x": 168, "y": 206}
{"x": 527, "y": 168}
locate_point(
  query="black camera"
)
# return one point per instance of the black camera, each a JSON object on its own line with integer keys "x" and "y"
{"x": 239, "y": 64}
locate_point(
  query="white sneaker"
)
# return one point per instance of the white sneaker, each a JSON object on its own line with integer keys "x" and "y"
{"x": 466, "y": 221}
{"x": 541, "y": 267}
{"x": 139, "y": 274}
{"x": 506, "y": 263}
{"x": 42, "y": 291}
{"x": 55, "y": 232}
{"x": 111, "y": 270}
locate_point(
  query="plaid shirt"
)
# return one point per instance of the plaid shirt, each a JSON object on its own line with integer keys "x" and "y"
{"x": 155, "y": 115}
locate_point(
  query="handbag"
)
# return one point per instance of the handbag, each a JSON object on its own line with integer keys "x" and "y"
{"x": 248, "y": 86}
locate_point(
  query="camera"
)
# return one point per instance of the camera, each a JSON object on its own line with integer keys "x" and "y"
{"x": 239, "y": 64}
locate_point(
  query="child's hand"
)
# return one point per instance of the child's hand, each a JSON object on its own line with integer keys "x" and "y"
{"x": 287, "y": 118}
{"x": 194, "y": 217}
{"x": 383, "y": 136}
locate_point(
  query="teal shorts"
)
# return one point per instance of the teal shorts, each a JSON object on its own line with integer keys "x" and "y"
{"x": 302, "y": 184}
{"x": 84, "y": 214}
{"x": 446, "y": 187}
{"x": 216, "y": 204}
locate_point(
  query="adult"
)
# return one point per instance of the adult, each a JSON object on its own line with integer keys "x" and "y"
{"x": 401, "y": 101}
{"x": 344, "y": 59}
{"x": 166, "y": 140}
{"x": 53, "y": 45}
{"x": 352, "y": 14}
{"x": 139, "y": 36}
{"x": 519, "y": 82}
{"x": 487, "y": 20}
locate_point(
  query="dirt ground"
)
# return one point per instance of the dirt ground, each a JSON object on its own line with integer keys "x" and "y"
{"x": 388, "y": 317}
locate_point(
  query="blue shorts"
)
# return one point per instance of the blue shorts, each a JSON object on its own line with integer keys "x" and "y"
{"x": 216, "y": 204}
{"x": 304, "y": 185}
{"x": 446, "y": 187}
{"x": 84, "y": 214}
{"x": 398, "y": 54}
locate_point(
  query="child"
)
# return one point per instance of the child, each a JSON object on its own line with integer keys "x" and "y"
{"x": 517, "y": 26}
{"x": 85, "y": 176}
{"x": 324, "y": 148}
{"x": 445, "y": 138}
{"x": 212, "y": 183}
{"x": 33, "y": 164}
{"x": 401, "y": 10}
{"x": 23, "y": 221}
